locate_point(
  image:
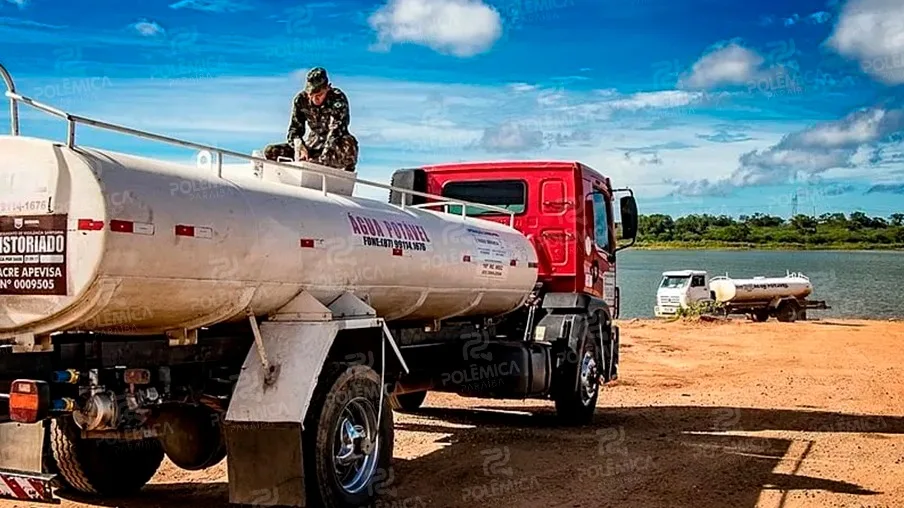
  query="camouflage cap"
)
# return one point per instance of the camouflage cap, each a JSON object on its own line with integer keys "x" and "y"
{"x": 316, "y": 80}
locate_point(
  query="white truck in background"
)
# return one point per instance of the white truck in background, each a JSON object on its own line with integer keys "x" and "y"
{"x": 759, "y": 298}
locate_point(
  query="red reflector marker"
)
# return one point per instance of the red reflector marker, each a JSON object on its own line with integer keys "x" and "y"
{"x": 121, "y": 226}
{"x": 29, "y": 401}
{"x": 136, "y": 376}
{"x": 514, "y": 262}
{"x": 466, "y": 259}
{"x": 125, "y": 226}
{"x": 396, "y": 252}
{"x": 307, "y": 243}
{"x": 90, "y": 225}
{"x": 194, "y": 231}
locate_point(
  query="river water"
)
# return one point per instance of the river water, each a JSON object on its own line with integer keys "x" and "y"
{"x": 854, "y": 284}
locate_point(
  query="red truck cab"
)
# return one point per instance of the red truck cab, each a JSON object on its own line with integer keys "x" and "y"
{"x": 565, "y": 208}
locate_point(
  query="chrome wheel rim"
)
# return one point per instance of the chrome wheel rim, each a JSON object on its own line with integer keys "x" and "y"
{"x": 589, "y": 377}
{"x": 355, "y": 449}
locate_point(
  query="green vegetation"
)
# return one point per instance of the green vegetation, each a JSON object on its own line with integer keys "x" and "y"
{"x": 828, "y": 231}
{"x": 696, "y": 310}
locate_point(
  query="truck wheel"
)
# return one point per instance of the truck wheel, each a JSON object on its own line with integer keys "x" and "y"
{"x": 407, "y": 401}
{"x": 100, "y": 467}
{"x": 341, "y": 461}
{"x": 760, "y": 316}
{"x": 577, "y": 406}
{"x": 787, "y": 312}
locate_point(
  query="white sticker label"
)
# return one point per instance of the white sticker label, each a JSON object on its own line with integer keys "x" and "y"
{"x": 609, "y": 288}
{"x": 491, "y": 256}
{"x": 142, "y": 229}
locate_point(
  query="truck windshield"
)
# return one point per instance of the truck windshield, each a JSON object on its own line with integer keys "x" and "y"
{"x": 673, "y": 282}
{"x": 508, "y": 194}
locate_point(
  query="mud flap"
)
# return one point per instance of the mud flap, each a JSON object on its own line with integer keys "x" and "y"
{"x": 21, "y": 465}
{"x": 263, "y": 424}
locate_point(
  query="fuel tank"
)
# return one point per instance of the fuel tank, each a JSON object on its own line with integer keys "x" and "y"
{"x": 101, "y": 241}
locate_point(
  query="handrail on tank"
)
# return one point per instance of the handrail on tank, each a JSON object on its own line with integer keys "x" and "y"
{"x": 13, "y": 107}
{"x": 73, "y": 120}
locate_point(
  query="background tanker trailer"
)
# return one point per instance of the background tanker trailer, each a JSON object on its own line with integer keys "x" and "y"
{"x": 759, "y": 298}
{"x": 262, "y": 314}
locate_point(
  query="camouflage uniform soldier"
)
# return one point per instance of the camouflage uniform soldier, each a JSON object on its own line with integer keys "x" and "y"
{"x": 326, "y": 111}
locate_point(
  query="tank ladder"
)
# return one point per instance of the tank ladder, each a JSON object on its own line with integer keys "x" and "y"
{"x": 324, "y": 172}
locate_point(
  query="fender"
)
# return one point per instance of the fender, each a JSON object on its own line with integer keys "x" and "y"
{"x": 564, "y": 326}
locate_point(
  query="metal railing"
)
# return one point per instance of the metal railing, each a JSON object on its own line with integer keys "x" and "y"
{"x": 73, "y": 120}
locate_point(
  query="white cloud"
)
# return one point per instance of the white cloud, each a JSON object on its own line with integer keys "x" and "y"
{"x": 21, "y": 22}
{"x": 522, "y": 87}
{"x": 661, "y": 99}
{"x": 462, "y": 28}
{"x": 729, "y": 65}
{"x": 148, "y": 28}
{"x": 810, "y": 153}
{"x": 511, "y": 137}
{"x": 20, "y": 3}
{"x": 212, "y": 5}
{"x": 872, "y": 32}
{"x": 820, "y": 17}
{"x": 792, "y": 20}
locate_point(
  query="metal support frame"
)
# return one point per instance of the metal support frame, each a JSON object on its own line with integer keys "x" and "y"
{"x": 322, "y": 171}
{"x": 265, "y": 419}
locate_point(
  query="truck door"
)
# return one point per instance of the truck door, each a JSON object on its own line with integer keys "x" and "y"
{"x": 698, "y": 291}
{"x": 599, "y": 271}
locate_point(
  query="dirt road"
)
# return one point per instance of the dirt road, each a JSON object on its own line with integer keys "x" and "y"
{"x": 705, "y": 415}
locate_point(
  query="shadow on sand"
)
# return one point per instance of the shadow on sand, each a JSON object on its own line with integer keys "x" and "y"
{"x": 665, "y": 456}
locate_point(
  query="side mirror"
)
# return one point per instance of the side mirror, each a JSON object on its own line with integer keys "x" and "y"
{"x": 628, "y": 217}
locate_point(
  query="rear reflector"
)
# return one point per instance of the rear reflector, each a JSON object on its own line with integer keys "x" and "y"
{"x": 466, "y": 259}
{"x": 27, "y": 487}
{"x": 514, "y": 262}
{"x": 396, "y": 252}
{"x": 307, "y": 243}
{"x": 137, "y": 376}
{"x": 90, "y": 225}
{"x": 29, "y": 401}
{"x": 125, "y": 226}
{"x": 194, "y": 231}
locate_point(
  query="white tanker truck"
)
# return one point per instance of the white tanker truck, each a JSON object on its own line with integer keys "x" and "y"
{"x": 759, "y": 298}
{"x": 263, "y": 314}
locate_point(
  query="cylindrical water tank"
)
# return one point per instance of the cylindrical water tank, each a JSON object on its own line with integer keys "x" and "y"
{"x": 103, "y": 241}
{"x": 759, "y": 288}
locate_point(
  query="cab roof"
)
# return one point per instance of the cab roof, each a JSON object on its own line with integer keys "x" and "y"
{"x": 472, "y": 166}
{"x": 683, "y": 273}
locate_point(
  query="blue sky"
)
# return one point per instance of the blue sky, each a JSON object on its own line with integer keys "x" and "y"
{"x": 702, "y": 106}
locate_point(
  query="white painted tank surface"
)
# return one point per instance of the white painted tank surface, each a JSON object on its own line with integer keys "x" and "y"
{"x": 103, "y": 241}
{"x": 760, "y": 288}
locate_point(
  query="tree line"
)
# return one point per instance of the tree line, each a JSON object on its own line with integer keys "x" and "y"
{"x": 829, "y": 229}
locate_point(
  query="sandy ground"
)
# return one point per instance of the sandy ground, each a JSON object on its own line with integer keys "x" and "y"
{"x": 736, "y": 414}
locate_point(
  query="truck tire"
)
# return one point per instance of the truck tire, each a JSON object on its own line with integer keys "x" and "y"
{"x": 577, "y": 406}
{"x": 760, "y": 315}
{"x": 100, "y": 467}
{"x": 342, "y": 416}
{"x": 407, "y": 401}
{"x": 787, "y": 312}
